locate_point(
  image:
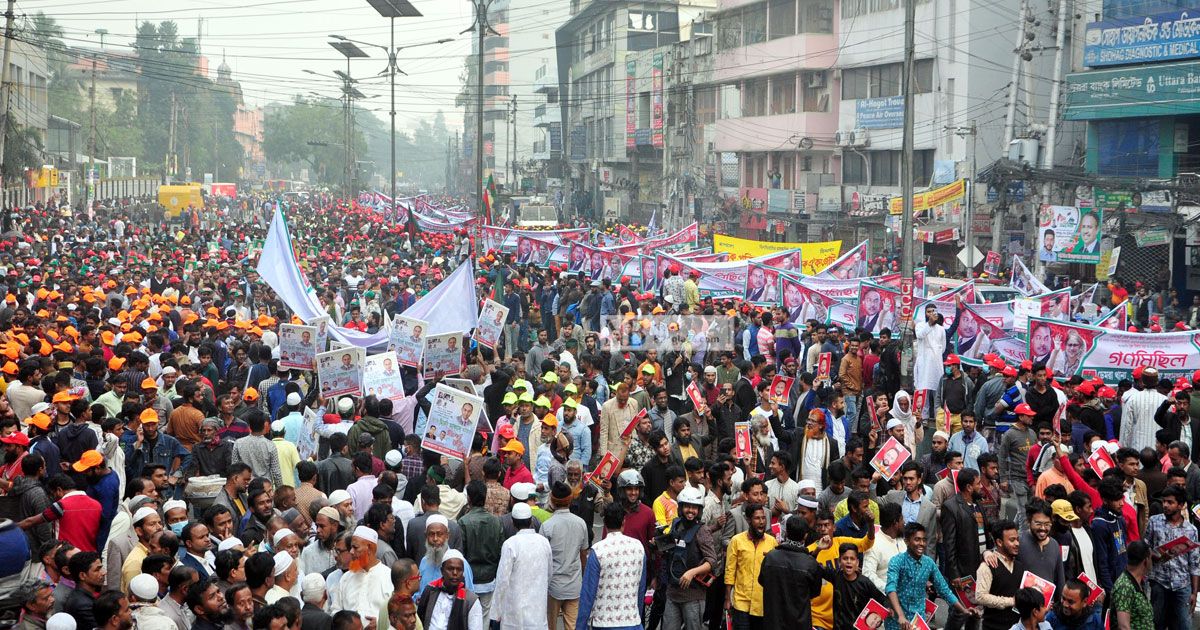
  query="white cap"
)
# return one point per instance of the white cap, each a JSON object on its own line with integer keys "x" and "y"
{"x": 338, "y": 496}
{"x": 807, "y": 502}
{"x": 942, "y": 434}
{"x": 173, "y": 504}
{"x": 277, "y": 426}
{"x": 40, "y": 407}
{"x": 169, "y": 370}
{"x": 60, "y": 621}
{"x": 229, "y": 543}
{"x": 144, "y": 586}
{"x": 294, "y": 399}
{"x": 345, "y": 405}
{"x": 142, "y": 513}
{"x": 393, "y": 458}
{"x": 522, "y": 491}
{"x": 311, "y": 587}
{"x": 808, "y": 484}
{"x": 522, "y": 512}
{"x": 453, "y": 554}
{"x": 280, "y": 535}
{"x": 367, "y": 534}
{"x": 283, "y": 561}
{"x": 893, "y": 423}
{"x": 437, "y": 519}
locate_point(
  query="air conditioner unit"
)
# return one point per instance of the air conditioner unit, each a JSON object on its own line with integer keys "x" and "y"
{"x": 860, "y": 138}
{"x": 816, "y": 79}
{"x": 842, "y": 138}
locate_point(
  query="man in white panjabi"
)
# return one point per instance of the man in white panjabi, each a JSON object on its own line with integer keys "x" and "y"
{"x": 368, "y": 583}
{"x": 523, "y": 577}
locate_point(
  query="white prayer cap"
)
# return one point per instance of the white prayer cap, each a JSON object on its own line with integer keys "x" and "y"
{"x": 277, "y": 426}
{"x": 338, "y": 496}
{"x": 229, "y": 543}
{"x": 294, "y": 399}
{"x": 437, "y": 519}
{"x": 893, "y": 423}
{"x": 280, "y": 535}
{"x": 393, "y": 458}
{"x": 173, "y": 504}
{"x": 169, "y": 370}
{"x": 367, "y": 534}
{"x": 40, "y": 407}
{"x": 283, "y": 561}
{"x": 807, "y": 502}
{"x": 142, "y": 513}
{"x": 522, "y": 512}
{"x": 942, "y": 434}
{"x": 345, "y": 405}
{"x": 60, "y": 621}
{"x": 453, "y": 554}
{"x": 807, "y": 484}
{"x": 522, "y": 491}
{"x": 144, "y": 586}
{"x": 312, "y": 587}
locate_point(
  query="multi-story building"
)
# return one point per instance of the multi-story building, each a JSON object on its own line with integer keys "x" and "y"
{"x": 116, "y": 74}
{"x": 611, "y": 73}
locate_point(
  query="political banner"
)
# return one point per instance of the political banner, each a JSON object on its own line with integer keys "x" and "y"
{"x": 1069, "y": 234}
{"x": 1023, "y": 281}
{"x": 844, "y": 315}
{"x": 991, "y": 263}
{"x": 852, "y": 264}
{"x": 1115, "y": 319}
{"x": 1023, "y": 309}
{"x": 762, "y": 285}
{"x": 407, "y": 338}
{"x": 727, "y": 279}
{"x": 297, "y": 346}
{"x": 803, "y": 303}
{"x": 339, "y": 372}
{"x": 648, "y": 273}
{"x": 538, "y": 252}
{"x": 998, "y": 314}
{"x": 814, "y": 257}
{"x": 1056, "y": 305}
{"x": 1070, "y": 348}
{"x": 453, "y": 418}
{"x": 838, "y": 289}
{"x": 381, "y": 376}
{"x": 974, "y": 334}
{"x": 491, "y": 324}
{"x": 877, "y": 308}
{"x": 781, "y": 387}
{"x": 443, "y": 354}
{"x": 505, "y": 239}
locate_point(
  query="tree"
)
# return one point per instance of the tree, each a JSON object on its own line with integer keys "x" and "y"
{"x": 288, "y": 130}
{"x": 22, "y": 149}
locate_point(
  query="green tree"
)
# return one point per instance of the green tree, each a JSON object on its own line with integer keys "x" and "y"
{"x": 288, "y": 130}
{"x": 22, "y": 149}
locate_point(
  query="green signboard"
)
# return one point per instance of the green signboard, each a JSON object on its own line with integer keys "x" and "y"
{"x": 1166, "y": 89}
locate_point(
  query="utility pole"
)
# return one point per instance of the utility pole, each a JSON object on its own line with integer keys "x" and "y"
{"x": 481, "y": 28}
{"x": 9, "y": 16}
{"x": 1052, "y": 117}
{"x": 515, "y": 178}
{"x": 91, "y": 178}
{"x": 906, "y": 191}
{"x": 963, "y": 131}
{"x": 170, "y": 161}
{"x": 1010, "y": 121}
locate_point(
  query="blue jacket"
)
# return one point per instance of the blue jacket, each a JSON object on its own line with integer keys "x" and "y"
{"x": 188, "y": 561}
{"x": 166, "y": 449}
{"x": 107, "y": 491}
{"x": 1110, "y": 540}
{"x": 276, "y": 397}
{"x": 1091, "y": 622}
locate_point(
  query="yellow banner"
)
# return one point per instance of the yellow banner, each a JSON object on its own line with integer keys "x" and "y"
{"x": 930, "y": 198}
{"x": 814, "y": 257}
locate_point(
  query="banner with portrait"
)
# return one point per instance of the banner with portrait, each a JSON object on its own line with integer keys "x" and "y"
{"x": 727, "y": 279}
{"x": 339, "y": 372}
{"x": 1069, "y": 234}
{"x": 505, "y": 239}
{"x": 1070, "y": 348}
{"x": 491, "y": 324}
{"x": 538, "y": 252}
{"x": 844, "y": 315}
{"x": 762, "y": 285}
{"x": 381, "y": 376}
{"x": 998, "y": 314}
{"x": 1115, "y": 319}
{"x": 1056, "y": 305}
{"x": 444, "y": 354}
{"x": 803, "y": 303}
{"x": 877, "y": 307}
{"x": 852, "y": 264}
{"x": 453, "y": 418}
{"x": 833, "y": 287}
{"x": 974, "y": 335}
{"x": 406, "y": 337}
{"x": 648, "y": 273}
{"x": 1022, "y": 280}
{"x": 297, "y": 346}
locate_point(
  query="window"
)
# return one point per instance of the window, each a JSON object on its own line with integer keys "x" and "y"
{"x": 885, "y": 168}
{"x": 783, "y": 94}
{"x": 706, "y": 104}
{"x": 731, "y": 101}
{"x": 923, "y": 76}
{"x": 854, "y": 170}
{"x": 643, "y": 110}
{"x": 754, "y": 24}
{"x": 755, "y": 100}
{"x": 816, "y": 91}
{"x": 816, "y": 16}
{"x": 885, "y": 80}
{"x": 922, "y": 167}
{"x": 782, "y": 16}
{"x": 729, "y": 31}
{"x": 852, "y": 8}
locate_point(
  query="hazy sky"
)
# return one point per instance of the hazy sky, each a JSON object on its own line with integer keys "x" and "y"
{"x": 269, "y": 44}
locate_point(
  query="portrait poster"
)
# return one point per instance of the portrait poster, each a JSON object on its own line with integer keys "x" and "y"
{"x": 443, "y": 354}
{"x": 1100, "y": 460}
{"x": 491, "y": 324}
{"x": 877, "y": 307}
{"x": 453, "y": 418}
{"x": 974, "y": 334}
{"x": 633, "y": 422}
{"x": 322, "y": 339}
{"x": 339, "y": 372}
{"x": 742, "y": 448}
{"x": 381, "y": 377}
{"x": 762, "y": 284}
{"x": 605, "y": 469}
{"x": 1047, "y": 587}
{"x": 1056, "y": 305}
{"x": 781, "y": 388}
{"x": 1097, "y": 592}
{"x": 1113, "y": 355}
{"x": 803, "y": 303}
{"x": 890, "y": 458}
{"x": 297, "y": 346}
{"x": 872, "y": 616}
{"x": 407, "y": 338}
{"x": 693, "y": 393}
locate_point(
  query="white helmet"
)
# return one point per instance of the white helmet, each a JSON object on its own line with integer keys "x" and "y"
{"x": 690, "y": 496}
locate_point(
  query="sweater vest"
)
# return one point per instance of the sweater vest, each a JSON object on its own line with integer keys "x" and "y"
{"x": 621, "y": 559}
{"x": 1005, "y": 583}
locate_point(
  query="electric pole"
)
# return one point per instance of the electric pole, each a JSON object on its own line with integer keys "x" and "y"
{"x": 907, "y": 237}
{"x": 1010, "y": 122}
{"x": 91, "y": 174}
{"x": 515, "y": 179}
{"x": 1052, "y": 117}
{"x": 481, "y": 28}
{"x": 9, "y": 16}
{"x": 170, "y": 161}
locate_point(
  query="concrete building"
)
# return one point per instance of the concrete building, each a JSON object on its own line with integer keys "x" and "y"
{"x": 613, "y": 101}
{"x": 28, "y": 74}
{"x": 116, "y": 74}
{"x": 247, "y": 127}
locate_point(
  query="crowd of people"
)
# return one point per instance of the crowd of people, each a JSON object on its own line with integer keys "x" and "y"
{"x": 162, "y": 470}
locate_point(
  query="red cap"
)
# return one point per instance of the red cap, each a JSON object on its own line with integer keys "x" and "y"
{"x": 1155, "y": 328}
{"x": 1027, "y": 364}
{"x": 1087, "y": 389}
{"x": 1137, "y": 371}
{"x": 1024, "y": 409}
{"x": 1181, "y": 326}
{"x": 1196, "y": 376}
{"x": 1132, "y": 329}
{"x": 1009, "y": 371}
{"x": 952, "y": 359}
{"x": 507, "y": 432}
{"x": 16, "y": 438}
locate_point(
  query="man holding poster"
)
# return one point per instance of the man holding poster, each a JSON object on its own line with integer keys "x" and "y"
{"x": 381, "y": 377}
{"x": 491, "y": 324}
{"x": 340, "y": 373}
{"x": 453, "y": 416}
{"x": 297, "y": 348}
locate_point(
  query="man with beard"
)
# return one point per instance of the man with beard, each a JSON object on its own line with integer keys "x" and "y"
{"x": 211, "y": 455}
{"x": 261, "y": 511}
{"x": 1072, "y": 612}
{"x": 690, "y": 554}
{"x": 934, "y": 462}
{"x": 146, "y": 523}
{"x": 449, "y": 604}
{"x": 368, "y": 583}
{"x": 89, "y": 582}
{"x": 240, "y": 599}
{"x": 790, "y": 579}
{"x": 639, "y": 518}
{"x": 810, "y": 448}
{"x": 437, "y": 544}
{"x": 743, "y": 562}
{"x": 143, "y": 596}
{"x": 110, "y": 612}
{"x": 205, "y": 601}
{"x": 37, "y": 604}
{"x": 319, "y": 556}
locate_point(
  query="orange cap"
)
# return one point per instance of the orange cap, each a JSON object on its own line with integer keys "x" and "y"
{"x": 116, "y": 363}
{"x": 64, "y": 396}
{"x": 250, "y": 394}
{"x": 514, "y": 446}
{"x": 148, "y": 415}
{"x": 39, "y": 420}
{"x": 148, "y": 383}
{"x": 89, "y": 459}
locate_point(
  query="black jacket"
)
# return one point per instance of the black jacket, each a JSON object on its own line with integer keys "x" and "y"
{"x": 33, "y": 501}
{"x": 790, "y": 578}
{"x": 959, "y": 525}
{"x": 745, "y": 397}
{"x": 79, "y": 605}
{"x": 313, "y": 618}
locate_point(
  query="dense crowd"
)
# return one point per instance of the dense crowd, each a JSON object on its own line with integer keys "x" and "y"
{"x": 163, "y": 471}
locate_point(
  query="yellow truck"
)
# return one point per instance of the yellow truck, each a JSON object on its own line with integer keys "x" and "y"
{"x": 176, "y": 198}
